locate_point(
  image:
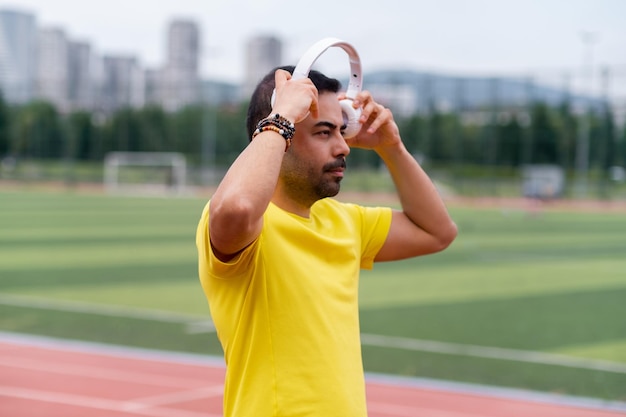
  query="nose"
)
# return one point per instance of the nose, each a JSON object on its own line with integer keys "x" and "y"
{"x": 340, "y": 145}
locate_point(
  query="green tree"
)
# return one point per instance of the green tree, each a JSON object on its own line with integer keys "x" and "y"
{"x": 510, "y": 135}
{"x": 231, "y": 133}
{"x": 443, "y": 131}
{"x": 187, "y": 130}
{"x": 620, "y": 146}
{"x": 5, "y": 127}
{"x": 567, "y": 128}
{"x": 415, "y": 132}
{"x": 606, "y": 140}
{"x": 122, "y": 132}
{"x": 472, "y": 143}
{"x": 544, "y": 135}
{"x": 38, "y": 132}
{"x": 153, "y": 123}
{"x": 82, "y": 136}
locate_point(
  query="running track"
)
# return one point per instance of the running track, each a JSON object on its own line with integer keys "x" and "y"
{"x": 42, "y": 377}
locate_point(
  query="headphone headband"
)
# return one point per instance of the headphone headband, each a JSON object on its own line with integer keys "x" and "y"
{"x": 302, "y": 69}
{"x": 308, "y": 59}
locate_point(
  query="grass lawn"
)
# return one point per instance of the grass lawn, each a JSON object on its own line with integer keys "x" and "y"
{"x": 552, "y": 284}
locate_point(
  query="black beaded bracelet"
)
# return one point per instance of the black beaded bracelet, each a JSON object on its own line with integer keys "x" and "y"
{"x": 278, "y": 124}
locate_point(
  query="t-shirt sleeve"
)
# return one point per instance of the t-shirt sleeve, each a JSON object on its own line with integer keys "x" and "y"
{"x": 375, "y": 225}
{"x": 208, "y": 264}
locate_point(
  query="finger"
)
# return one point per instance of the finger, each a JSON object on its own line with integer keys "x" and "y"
{"x": 314, "y": 108}
{"x": 362, "y": 99}
{"x": 370, "y": 109}
{"x": 307, "y": 89}
{"x": 281, "y": 77}
{"x": 383, "y": 115}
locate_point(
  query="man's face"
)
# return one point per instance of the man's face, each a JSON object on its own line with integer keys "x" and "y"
{"x": 314, "y": 165}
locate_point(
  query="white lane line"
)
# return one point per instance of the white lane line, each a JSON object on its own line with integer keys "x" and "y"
{"x": 94, "y": 403}
{"x": 216, "y": 363}
{"x": 97, "y": 372}
{"x": 176, "y": 397}
{"x": 489, "y": 352}
{"x": 391, "y": 410}
{"x": 109, "y": 350}
{"x": 199, "y": 324}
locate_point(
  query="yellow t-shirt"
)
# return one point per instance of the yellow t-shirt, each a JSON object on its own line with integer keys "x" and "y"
{"x": 286, "y": 311}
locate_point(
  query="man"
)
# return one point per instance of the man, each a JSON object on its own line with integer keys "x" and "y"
{"x": 279, "y": 259}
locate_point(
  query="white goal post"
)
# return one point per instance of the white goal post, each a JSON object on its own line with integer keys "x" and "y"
{"x": 145, "y": 172}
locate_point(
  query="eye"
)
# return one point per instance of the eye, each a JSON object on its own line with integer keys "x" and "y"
{"x": 323, "y": 133}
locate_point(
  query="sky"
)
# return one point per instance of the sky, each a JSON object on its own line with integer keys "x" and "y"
{"x": 473, "y": 37}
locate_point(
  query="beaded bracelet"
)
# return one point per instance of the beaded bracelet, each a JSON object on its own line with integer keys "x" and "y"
{"x": 278, "y": 124}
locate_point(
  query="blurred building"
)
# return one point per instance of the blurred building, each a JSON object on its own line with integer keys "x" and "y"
{"x": 263, "y": 53}
{"x": 122, "y": 84}
{"x": 221, "y": 94}
{"x": 18, "y": 55}
{"x": 45, "y": 64}
{"x": 84, "y": 76}
{"x": 69, "y": 74}
{"x": 48, "y": 64}
{"x": 52, "y": 67}
{"x": 153, "y": 81}
{"x": 179, "y": 79}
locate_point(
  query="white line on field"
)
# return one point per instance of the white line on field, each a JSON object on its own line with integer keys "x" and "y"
{"x": 201, "y": 324}
{"x": 217, "y": 362}
{"x": 193, "y": 321}
{"x": 489, "y": 352}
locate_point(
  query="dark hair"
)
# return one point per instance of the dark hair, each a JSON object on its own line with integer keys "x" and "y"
{"x": 260, "y": 106}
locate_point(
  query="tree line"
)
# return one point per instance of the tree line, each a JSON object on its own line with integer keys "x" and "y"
{"x": 537, "y": 134}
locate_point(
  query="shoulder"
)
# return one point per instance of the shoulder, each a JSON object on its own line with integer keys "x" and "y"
{"x": 330, "y": 206}
{"x": 358, "y": 213}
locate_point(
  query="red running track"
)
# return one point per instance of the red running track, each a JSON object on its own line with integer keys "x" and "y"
{"x": 61, "y": 379}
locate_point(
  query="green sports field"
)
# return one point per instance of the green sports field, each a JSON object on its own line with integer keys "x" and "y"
{"x": 534, "y": 301}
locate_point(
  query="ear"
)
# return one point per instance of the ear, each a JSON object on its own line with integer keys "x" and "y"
{"x": 350, "y": 118}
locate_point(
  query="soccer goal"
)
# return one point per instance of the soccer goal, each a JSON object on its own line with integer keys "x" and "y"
{"x": 543, "y": 181}
{"x": 159, "y": 173}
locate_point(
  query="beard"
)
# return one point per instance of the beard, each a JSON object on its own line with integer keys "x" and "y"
{"x": 307, "y": 183}
{"x": 329, "y": 187}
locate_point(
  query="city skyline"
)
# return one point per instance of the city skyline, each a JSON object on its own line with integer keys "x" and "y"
{"x": 47, "y": 63}
{"x": 453, "y": 36}
{"x": 75, "y": 72}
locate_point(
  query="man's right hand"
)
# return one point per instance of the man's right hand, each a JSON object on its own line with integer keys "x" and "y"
{"x": 295, "y": 98}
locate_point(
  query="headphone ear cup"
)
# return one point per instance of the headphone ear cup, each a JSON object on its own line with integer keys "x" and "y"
{"x": 350, "y": 118}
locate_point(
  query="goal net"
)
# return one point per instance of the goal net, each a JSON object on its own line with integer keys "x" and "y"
{"x": 145, "y": 172}
{"x": 543, "y": 181}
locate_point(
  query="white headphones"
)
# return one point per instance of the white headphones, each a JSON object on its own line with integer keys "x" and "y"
{"x": 350, "y": 114}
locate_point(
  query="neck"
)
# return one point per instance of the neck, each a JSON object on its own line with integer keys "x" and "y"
{"x": 292, "y": 205}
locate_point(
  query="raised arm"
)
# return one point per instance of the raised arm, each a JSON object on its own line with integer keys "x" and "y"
{"x": 237, "y": 206}
{"x": 423, "y": 225}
